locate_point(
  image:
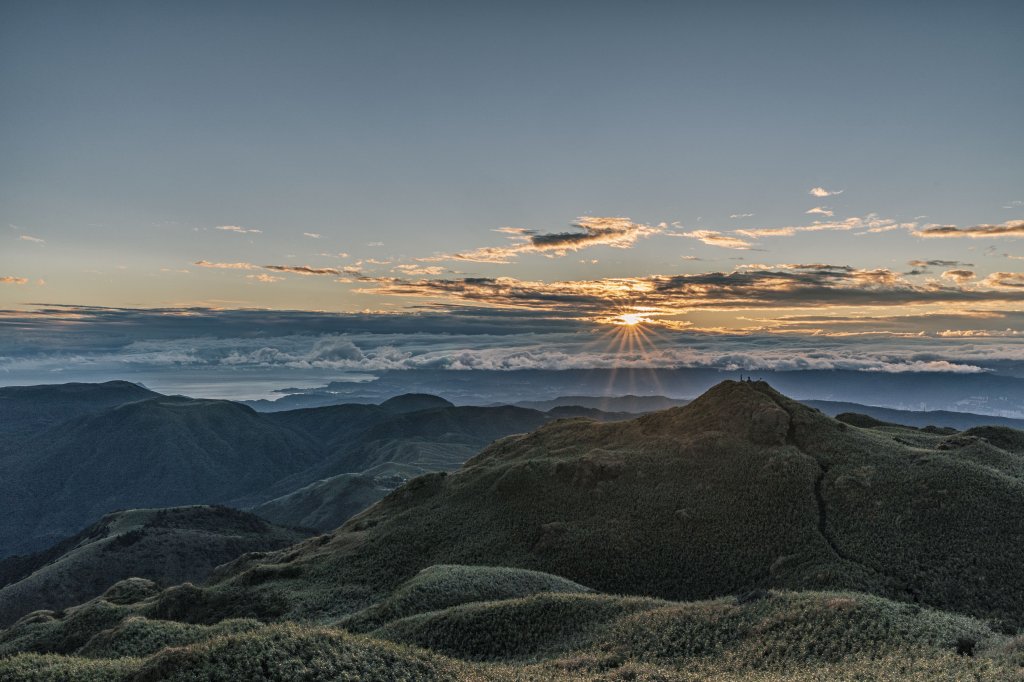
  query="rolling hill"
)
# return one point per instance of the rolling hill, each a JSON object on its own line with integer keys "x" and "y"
{"x": 743, "y": 536}
{"x": 162, "y": 546}
{"x": 328, "y": 503}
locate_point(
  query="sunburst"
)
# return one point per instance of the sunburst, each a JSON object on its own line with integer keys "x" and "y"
{"x": 631, "y": 335}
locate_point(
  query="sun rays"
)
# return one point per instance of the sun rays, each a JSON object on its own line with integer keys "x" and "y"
{"x": 631, "y": 337}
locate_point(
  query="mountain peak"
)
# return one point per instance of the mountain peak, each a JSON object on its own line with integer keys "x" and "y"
{"x": 746, "y": 408}
{"x": 414, "y": 402}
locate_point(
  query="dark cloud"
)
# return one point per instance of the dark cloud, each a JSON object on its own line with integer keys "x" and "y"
{"x": 959, "y": 276}
{"x": 304, "y": 270}
{"x": 939, "y": 263}
{"x": 589, "y": 231}
{"x": 1011, "y": 228}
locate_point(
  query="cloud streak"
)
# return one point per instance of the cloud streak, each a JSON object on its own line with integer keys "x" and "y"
{"x": 305, "y": 270}
{"x": 871, "y": 223}
{"x": 226, "y": 266}
{"x": 715, "y": 238}
{"x": 1011, "y": 228}
{"x": 238, "y": 230}
{"x": 939, "y": 263}
{"x": 615, "y": 232}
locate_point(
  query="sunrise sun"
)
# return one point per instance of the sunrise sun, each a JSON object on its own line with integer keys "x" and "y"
{"x": 630, "y": 319}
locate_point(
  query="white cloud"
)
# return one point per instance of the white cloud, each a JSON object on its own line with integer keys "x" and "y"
{"x": 30, "y": 238}
{"x": 226, "y": 266}
{"x": 713, "y": 238}
{"x": 420, "y": 270}
{"x": 822, "y": 192}
{"x": 238, "y": 230}
{"x": 870, "y": 223}
{"x": 265, "y": 278}
{"x": 312, "y": 235}
{"x": 820, "y": 210}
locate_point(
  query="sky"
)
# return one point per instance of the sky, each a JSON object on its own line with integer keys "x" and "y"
{"x": 191, "y": 184}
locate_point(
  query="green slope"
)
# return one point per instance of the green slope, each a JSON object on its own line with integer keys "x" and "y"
{"x": 742, "y": 489}
{"x": 167, "y": 546}
{"x": 157, "y": 452}
{"x": 328, "y": 503}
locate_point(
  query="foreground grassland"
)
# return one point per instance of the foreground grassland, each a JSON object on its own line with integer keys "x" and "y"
{"x": 545, "y": 634}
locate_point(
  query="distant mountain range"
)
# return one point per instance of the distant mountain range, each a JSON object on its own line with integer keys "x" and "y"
{"x": 742, "y": 536}
{"x": 71, "y": 453}
{"x": 981, "y": 392}
{"x": 632, "y": 404}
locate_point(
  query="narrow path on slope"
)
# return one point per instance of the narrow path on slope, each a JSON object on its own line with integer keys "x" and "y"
{"x": 819, "y": 483}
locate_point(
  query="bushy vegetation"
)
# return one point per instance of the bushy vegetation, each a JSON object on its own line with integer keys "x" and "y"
{"x": 440, "y": 587}
{"x": 539, "y": 626}
{"x": 563, "y": 636}
{"x": 138, "y": 636}
{"x": 773, "y": 631}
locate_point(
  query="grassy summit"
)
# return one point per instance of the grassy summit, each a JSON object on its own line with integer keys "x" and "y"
{"x": 740, "y": 490}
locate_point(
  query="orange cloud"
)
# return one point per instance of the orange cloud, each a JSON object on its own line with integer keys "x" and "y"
{"x": 959, "y": 276}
